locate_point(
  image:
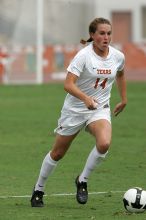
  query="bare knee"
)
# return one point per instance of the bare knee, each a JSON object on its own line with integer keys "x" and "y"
{"x": 103, "y": 147}
{"x": 61, "y": 145}
{"x": 57, "y": 155}
{"x": 58, "y": 151}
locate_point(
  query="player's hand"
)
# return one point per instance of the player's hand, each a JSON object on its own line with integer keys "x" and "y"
{"x": 119, "y": 108}
{"x": 91, "y": 103}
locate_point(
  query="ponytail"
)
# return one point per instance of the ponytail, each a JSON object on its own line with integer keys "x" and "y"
{"x": 82, "y": 41}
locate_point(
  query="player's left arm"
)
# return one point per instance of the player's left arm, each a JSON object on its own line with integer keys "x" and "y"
{"x": 121, "y": 84}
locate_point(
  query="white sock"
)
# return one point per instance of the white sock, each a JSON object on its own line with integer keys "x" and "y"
{"x": 93, "y": 160}
{"x": 47, "y": 168}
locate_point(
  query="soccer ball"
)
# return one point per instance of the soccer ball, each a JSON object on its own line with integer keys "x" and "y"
{"x": 134, "y": 200}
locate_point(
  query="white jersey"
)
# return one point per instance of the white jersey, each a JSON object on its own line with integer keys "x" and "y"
{"x": 95, "y": 77}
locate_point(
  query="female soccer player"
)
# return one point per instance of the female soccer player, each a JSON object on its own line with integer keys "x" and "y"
{"x": 89, "y": 81}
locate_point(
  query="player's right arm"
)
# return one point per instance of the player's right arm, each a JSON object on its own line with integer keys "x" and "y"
{"x": 71, "y": 87}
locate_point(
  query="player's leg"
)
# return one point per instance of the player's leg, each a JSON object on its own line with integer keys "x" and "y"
{"x": 59, "y": 149}
{"x": 101, "y": 130}
{"x": 68, "y": 127}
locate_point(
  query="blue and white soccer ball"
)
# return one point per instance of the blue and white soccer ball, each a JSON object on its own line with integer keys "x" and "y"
{"x": 134, "y": 200}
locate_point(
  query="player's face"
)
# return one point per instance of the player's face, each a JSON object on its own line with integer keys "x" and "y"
{"x": 102, "y": 36}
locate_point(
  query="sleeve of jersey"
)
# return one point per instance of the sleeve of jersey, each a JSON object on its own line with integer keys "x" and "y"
{"x": 121, "y": 63}
{"x": 77, "y": 64}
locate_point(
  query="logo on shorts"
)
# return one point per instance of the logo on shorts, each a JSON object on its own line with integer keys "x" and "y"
{"x": 106, "y": 106}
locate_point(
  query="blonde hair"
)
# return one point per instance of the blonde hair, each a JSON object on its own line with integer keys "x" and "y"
{"x": 93, "y": 27}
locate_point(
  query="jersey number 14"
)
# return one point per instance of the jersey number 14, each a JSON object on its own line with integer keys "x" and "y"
{"x": 102, "y": 84}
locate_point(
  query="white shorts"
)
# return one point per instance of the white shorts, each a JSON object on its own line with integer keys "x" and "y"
{"x": 71, "y": 124}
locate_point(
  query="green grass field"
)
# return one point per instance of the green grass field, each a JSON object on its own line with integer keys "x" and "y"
{"x": 28, "y": 115}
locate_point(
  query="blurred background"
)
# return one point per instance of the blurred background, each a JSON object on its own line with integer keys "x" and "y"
{"x": 38, "y": 38}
